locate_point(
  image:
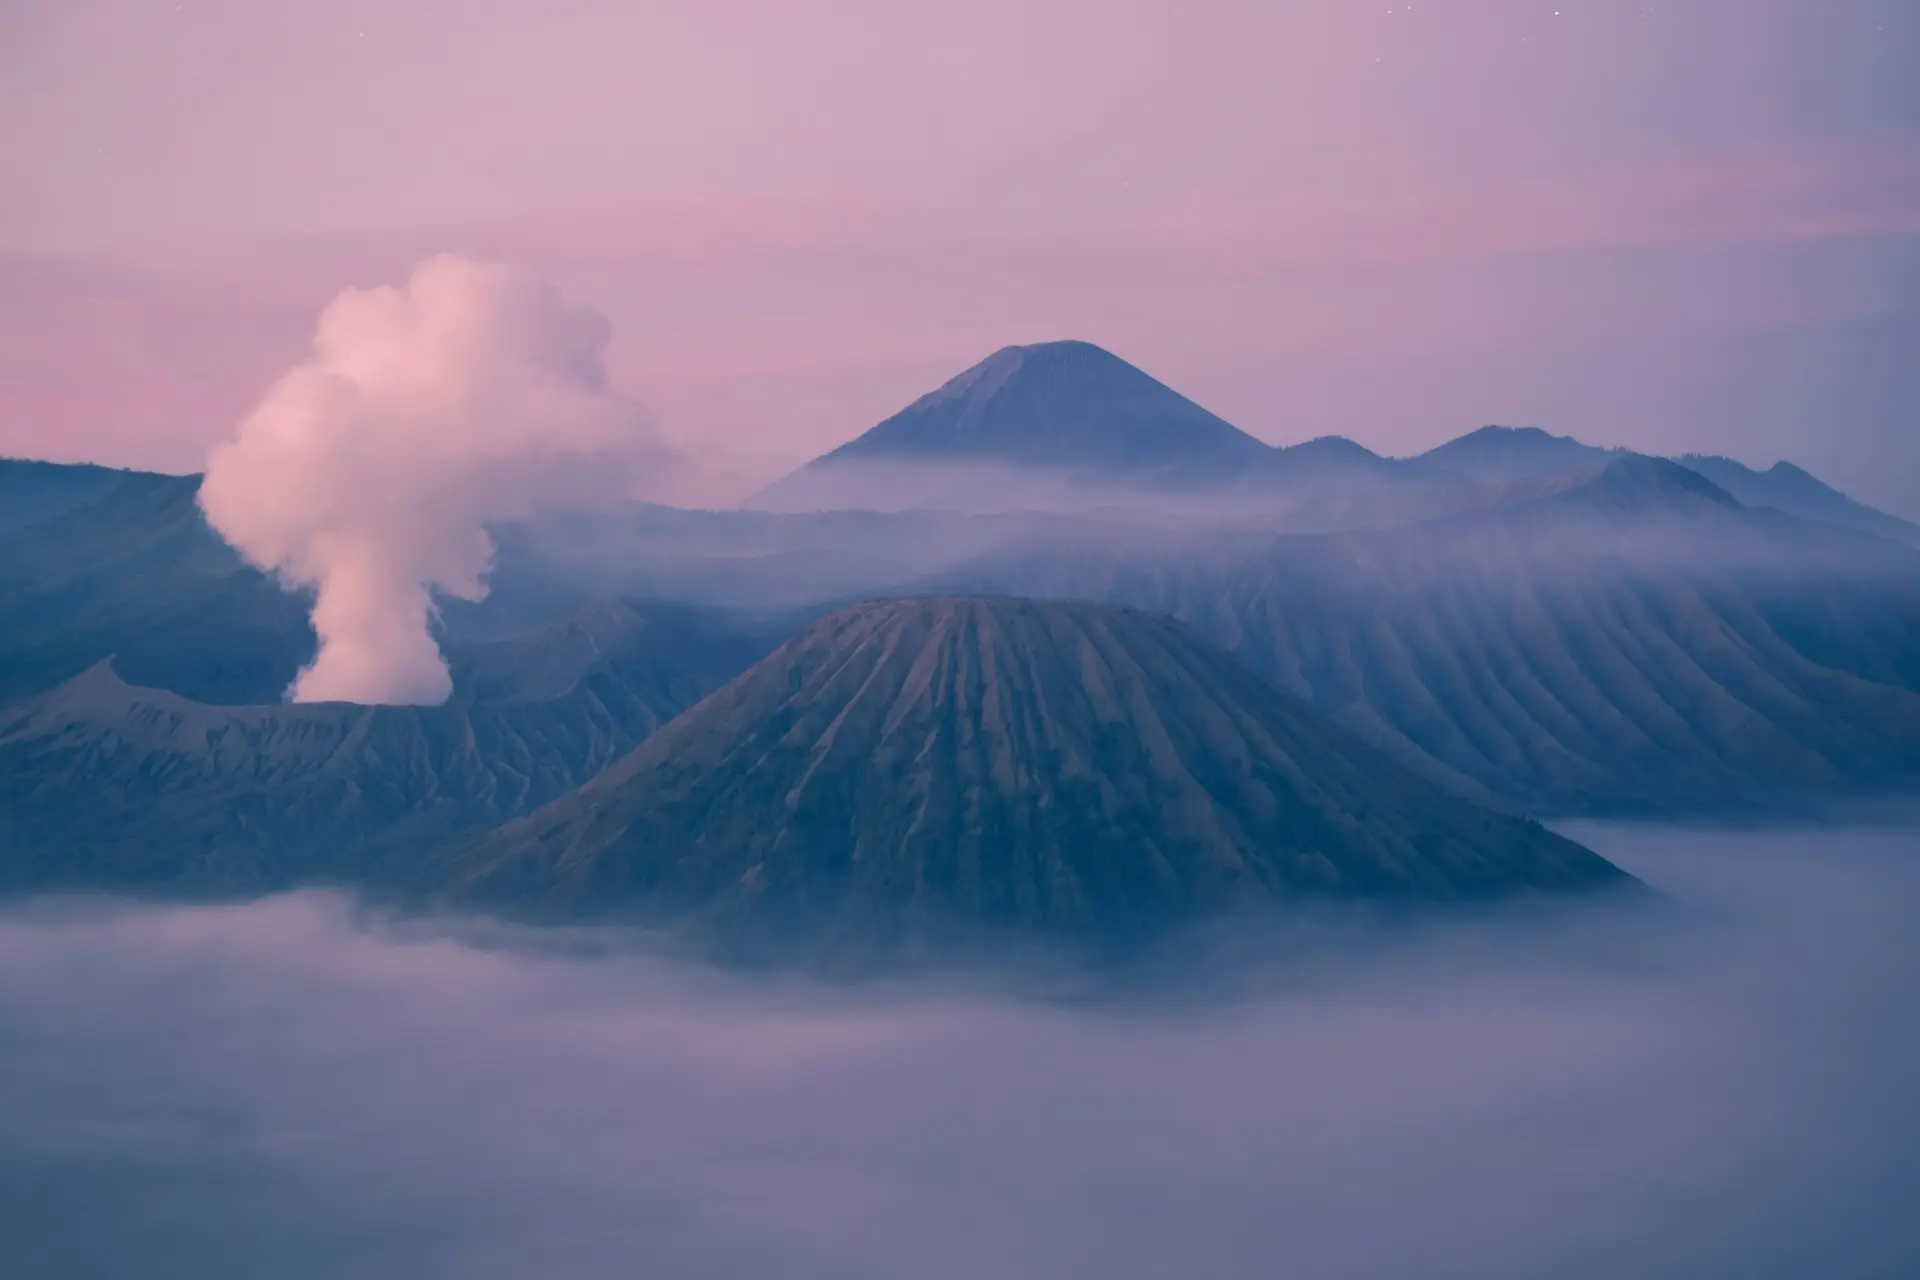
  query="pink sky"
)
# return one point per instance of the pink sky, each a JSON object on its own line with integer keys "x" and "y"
{"x": 1677, "y": 226}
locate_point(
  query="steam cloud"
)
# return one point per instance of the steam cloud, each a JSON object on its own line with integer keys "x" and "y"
{"x": 474, "y": 393}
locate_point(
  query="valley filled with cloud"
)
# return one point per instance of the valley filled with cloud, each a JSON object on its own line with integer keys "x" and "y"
{"x": 1716, "y": 1082}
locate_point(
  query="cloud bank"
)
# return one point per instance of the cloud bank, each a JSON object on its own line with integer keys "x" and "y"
{"x": 288, "y": 1088}
{"x": 473, "y": 393}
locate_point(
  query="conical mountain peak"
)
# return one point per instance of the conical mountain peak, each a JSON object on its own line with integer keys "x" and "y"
{"x": 1068, "y": 410}
{"x": 911, "y": 769}
{"x": 1067, "y": 404}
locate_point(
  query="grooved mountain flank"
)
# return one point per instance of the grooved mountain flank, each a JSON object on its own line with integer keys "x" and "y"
{"x": 909, "y": 767}
{"x": 1639, "y": 645}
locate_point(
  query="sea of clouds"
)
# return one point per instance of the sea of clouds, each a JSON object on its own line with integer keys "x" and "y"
{"x": 1720, "y": 1084}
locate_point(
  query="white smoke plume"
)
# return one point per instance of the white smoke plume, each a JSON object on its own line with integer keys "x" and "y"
{"x": 473, "y": 393}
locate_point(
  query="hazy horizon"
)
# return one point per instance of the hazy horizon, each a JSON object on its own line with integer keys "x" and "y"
{"x": 1684, "y": 227}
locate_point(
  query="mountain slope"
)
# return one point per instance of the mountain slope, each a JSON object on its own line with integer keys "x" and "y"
{"x": 34, "y": 491}
{"x": 1518, "y": 455}
{"x": 1067, "y": 411}
{"x": 1787, "y": 488}
{"x": 136, "y": 572}
{"x": 907, "y": 768}
{"x": 104, "y": 784}
{"x": 1639, "y": 645}
{"x": 1510, "y": 454}
{"x": 1057, "y": 404}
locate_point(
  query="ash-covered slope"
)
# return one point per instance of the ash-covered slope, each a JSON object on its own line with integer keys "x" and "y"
{"x": 104, "y": 785}
{"x": 1640, "y": 644}
{"x": 908, "y": 771}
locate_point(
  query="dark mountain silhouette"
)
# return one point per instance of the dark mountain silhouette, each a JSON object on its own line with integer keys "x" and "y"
{"x": 1787, "y": 488}
{"x": 1635, "y": 484}
{"x": 137, "y": 573}
{"x": 1331, "y": 483}
{"x": 1060, "y": 413}
{"x": 1518, "y": 456}
{"x": 1640, "y": 644}
{"x": 1335, "y": 456}
{"x": 104, "y": 784}
{"x": 33, "y": 491}
{"x": 1058, "y": 404}
{"x": 1509, "y": 454}
{"x": 915, "y": 770}
{"x": 1066, "y": 426}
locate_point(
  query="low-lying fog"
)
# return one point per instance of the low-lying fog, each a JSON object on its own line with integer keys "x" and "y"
{"x": 1724, "y": 1086}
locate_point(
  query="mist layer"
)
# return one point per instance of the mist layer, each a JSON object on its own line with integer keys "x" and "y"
{"x": 1719, "y": 1086}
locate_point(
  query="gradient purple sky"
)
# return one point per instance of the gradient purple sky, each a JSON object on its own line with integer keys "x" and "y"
{"x": 1690, "y": 224}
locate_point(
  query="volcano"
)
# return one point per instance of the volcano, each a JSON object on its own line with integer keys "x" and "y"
{"x": 908, "y": 772}
{"x": 1056, "y": 423}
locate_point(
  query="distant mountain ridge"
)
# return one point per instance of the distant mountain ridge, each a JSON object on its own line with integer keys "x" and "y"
{"x": 1788, "y": 488}
{"x": 1510, "y": 454}
{"x": 1065, "y": 427}
{"x": 1069, "y": 426}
